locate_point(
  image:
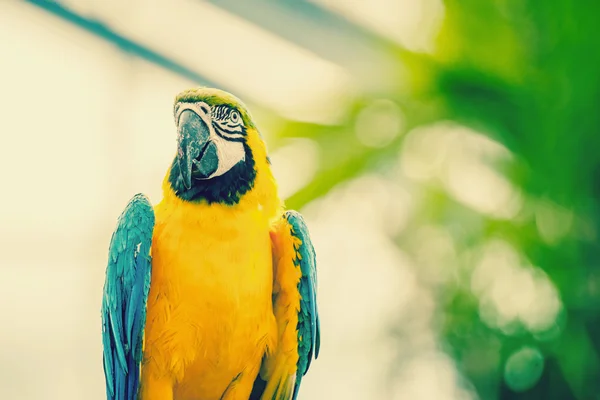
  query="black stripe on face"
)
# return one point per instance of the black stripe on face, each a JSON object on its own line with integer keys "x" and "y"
{"x": 224, "y": 134}
{"x": 221, "y": 112}
{"x": 227, "y": 129}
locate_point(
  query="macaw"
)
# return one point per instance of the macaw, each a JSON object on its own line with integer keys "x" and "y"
{"x": 210, "y": 295}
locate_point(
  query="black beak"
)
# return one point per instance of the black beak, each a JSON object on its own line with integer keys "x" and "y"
{"x": 196, "y": 154}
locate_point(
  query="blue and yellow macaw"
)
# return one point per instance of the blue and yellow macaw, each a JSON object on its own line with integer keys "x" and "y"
{"x": 210, "y": 295}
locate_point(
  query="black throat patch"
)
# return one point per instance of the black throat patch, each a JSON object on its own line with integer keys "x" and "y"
{"x": 225, "y": 189}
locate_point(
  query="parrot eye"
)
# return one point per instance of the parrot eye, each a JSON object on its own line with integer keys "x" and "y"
{"x": 235, "y": 117}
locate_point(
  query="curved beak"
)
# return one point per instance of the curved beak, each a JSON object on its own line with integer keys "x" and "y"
{"x": 196, "y": 153}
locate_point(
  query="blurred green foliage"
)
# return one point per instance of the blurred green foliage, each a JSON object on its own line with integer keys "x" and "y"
{"x": 526, "y": 73}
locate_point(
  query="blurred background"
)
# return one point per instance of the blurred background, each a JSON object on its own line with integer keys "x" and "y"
{"x": 445, "y": 153}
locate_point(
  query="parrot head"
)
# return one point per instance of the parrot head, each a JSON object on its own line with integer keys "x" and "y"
{"x": 219, "y": 150}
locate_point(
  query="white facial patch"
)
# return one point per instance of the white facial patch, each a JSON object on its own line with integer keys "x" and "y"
{"x": 229, "y": 152}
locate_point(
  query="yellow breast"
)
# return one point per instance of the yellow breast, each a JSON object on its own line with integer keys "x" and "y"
{"x": 210, "y": 311}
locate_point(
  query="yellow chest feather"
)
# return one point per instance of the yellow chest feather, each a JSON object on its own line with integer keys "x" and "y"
{"x": 210, "y": 313}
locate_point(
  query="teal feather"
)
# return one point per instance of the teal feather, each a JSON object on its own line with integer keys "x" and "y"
{"x": 309, "y": 331}
{"x": 126, "y": 289}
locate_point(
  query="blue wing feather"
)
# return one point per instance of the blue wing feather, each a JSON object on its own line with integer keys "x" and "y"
{"x": 125, "y": 296}
{"x": 309, "y": 335}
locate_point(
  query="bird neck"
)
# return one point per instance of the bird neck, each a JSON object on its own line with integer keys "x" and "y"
{"x": 261, "y": 199}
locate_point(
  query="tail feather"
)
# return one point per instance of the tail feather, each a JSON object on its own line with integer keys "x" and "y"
{"x": 280, "y": 385}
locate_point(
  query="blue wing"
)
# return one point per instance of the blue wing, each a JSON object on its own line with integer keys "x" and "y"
{"x": 125, "y": 296}
{"x": 309, "y": 335}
